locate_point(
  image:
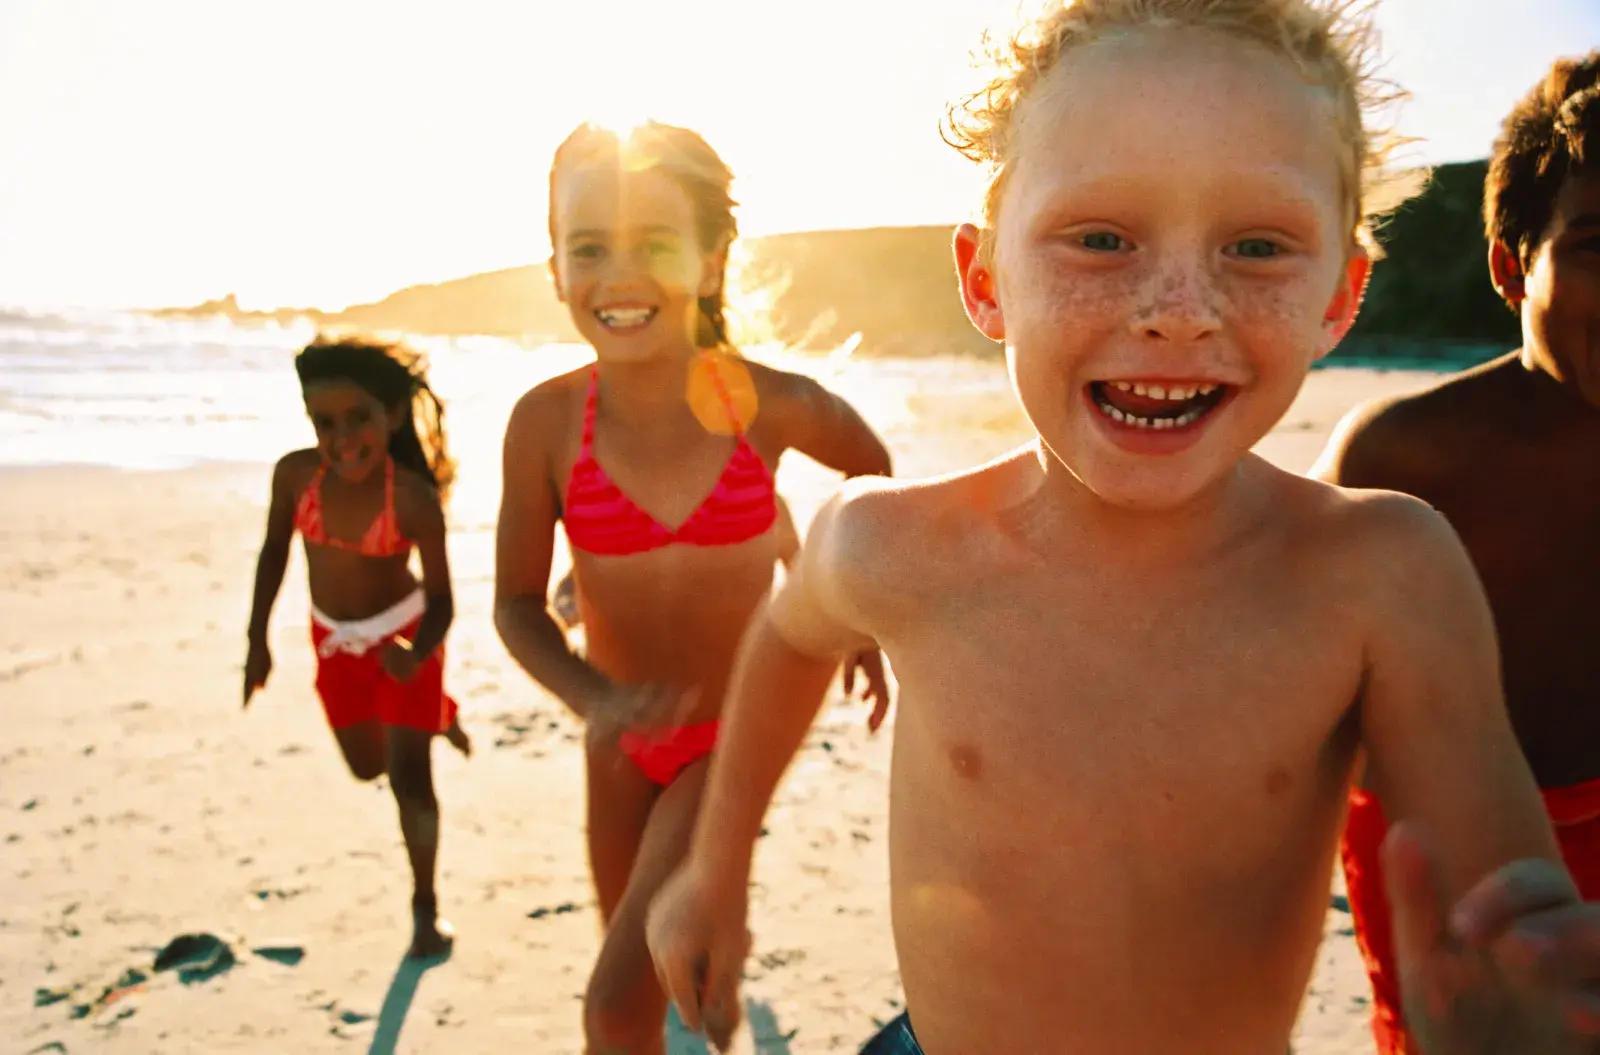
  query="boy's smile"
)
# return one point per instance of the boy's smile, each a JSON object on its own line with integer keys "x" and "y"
{"x": 1156, "y": 416}
{"x": 1164, "y": 294}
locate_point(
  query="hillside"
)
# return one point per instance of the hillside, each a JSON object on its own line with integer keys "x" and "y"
{"x": 896, "y": 286}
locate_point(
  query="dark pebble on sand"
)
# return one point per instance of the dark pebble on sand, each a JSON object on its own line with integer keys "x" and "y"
{"x": 1340, "y": 902}
{"x": 196, "y": 957}
{"x": 50, "y": 1047}
{"x": 559, "y": 910}
{"x": 30, "y": 804}
{"x": 353, "y": 1018}
{"x": 43, "y": 997}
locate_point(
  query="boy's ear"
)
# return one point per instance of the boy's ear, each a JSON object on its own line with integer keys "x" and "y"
{"x": 979, "y": 294}
{"x": 1505, "y": 271}
{"x": 1346, "y": 303}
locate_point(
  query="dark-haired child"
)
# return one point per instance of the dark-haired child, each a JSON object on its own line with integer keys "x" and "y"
{"x": 1509, "y": 452}
{"x": 363, "y": 498}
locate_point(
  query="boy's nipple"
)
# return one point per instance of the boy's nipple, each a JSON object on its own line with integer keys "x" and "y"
{"x": 966, "y": 761}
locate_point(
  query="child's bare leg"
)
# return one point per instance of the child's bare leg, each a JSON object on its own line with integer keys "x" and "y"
{"x": 455, "y": 735}
{"x": 619, "y": 802}
{"x": 788, "y": 537}
{"x": 411, "y": 779}
{"x": 625, "y": 1010}
{"x": 458, "y": 738}
{"x": 365, "y": 749}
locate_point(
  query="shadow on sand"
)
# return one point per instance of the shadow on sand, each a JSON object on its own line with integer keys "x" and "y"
{"x": 397, "y": 1003}
{"x": 766, "y": 1037}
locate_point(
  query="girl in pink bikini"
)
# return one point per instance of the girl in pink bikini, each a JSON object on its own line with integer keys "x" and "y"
{"x": 362, "y": 499}
{"x": 658, "y": 459}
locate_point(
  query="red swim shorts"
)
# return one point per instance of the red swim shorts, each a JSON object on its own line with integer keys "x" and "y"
{"x": 354, "y": 687}
{"x": 1575, "y": 811}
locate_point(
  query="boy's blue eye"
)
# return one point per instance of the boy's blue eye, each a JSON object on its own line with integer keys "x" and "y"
{"x": 1102, "y": 242}
{"x": 1256, "y": 248}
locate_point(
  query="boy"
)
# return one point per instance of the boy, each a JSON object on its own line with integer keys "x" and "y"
{"x": 1138, "y": 662}
{"x": 1510, "y": 454}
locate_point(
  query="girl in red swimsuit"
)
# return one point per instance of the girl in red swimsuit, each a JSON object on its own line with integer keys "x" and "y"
{"x": 658, "y": 459}
{"x": 363, "y": 498}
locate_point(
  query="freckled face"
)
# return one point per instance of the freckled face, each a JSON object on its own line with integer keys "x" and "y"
{"x": 1170, "y": 257}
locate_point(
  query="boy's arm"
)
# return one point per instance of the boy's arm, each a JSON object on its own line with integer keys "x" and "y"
{"x": 524, "y": 539}
{"x": 1439, "y": 744}
{"x": 273, "y": 559}
{"x": 786, "y": 661}
{"x": 423, "y": 523}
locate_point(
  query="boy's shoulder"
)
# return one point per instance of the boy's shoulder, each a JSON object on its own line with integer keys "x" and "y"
{"x": 1407, "y": 441}
{"x": 1371, "y": 541}
{"x": 918, "y": 526}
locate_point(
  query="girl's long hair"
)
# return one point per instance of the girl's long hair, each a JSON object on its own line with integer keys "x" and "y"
{"x": 396, "y": 376}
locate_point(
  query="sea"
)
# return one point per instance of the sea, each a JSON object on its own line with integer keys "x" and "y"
{"x": 138, "y": 392}
{"x": 143, "y": 393}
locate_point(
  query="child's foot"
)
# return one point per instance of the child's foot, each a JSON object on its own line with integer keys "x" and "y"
{"x": 459, "y": 739}
{"x": 431, "y": 937}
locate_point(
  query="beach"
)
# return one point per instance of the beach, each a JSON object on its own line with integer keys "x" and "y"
{"x": 139, "y": 803}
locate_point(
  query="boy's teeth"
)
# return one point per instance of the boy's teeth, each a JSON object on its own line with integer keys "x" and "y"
{"x": 1175, "y": 393}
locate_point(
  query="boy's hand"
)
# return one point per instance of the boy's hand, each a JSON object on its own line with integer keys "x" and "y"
{"x": 399, "y": 662}
{"x": 1514, "y": 966}
{"x": 698, "y": 938}
{"x": 257, "y": 667}
{"x": 875, "y": 685}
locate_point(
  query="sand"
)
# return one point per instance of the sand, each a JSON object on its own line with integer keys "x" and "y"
{"x": 137, "y": 802}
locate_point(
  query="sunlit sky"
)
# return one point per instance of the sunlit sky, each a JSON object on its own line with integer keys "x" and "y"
{"x": 324, "y": 152}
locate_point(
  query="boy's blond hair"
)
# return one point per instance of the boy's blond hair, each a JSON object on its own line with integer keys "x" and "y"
{"x": 1333, "y": 42}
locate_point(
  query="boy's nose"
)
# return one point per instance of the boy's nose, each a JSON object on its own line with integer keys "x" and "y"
{"x": 1179, "y": 305}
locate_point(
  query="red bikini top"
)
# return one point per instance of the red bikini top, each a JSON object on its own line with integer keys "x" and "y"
{"x": 600, "y": 519}
{"x": 383, "y": 538}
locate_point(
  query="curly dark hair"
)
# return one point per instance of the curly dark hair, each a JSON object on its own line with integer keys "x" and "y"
{"x": 396, "y": 376}
{"x": 1542, "y": 141}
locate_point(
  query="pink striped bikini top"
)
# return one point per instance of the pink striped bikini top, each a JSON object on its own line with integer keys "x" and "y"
{"x": 600, "y": 519}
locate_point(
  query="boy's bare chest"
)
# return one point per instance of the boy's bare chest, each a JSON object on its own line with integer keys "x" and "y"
{"x": 1231, "y": 693}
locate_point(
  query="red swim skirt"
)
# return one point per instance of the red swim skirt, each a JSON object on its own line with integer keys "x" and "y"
{"x": 351, "y": 680}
